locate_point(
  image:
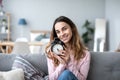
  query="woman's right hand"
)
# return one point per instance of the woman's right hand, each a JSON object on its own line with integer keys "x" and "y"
{"x": 60, "y": 59}
{"x": 63, "y": 57}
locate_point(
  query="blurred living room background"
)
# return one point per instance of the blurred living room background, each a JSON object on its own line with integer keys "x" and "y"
{"x": 39, "y": 15}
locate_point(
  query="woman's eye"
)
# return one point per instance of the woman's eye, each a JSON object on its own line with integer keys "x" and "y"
{"x": 57, "y": 32}
{"x": 64, "y": 29}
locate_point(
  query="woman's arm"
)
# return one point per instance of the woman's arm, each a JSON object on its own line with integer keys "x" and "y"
{"x": 84, "y": 65}
{"x": 53, "y": 71}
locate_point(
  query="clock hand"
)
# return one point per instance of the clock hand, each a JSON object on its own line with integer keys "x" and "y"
{"x": 57, "y": 49}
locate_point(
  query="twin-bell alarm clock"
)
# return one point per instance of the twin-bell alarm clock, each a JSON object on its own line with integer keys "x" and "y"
{"x": 57, "y": 45}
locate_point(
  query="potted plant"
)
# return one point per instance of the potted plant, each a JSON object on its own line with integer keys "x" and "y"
{"x": 87, "y": 36}
{"x": 4, "y": 21}
{"x": 3, "y": 27}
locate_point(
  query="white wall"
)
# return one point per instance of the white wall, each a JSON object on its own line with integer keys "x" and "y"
{"x": 40, "y": 14}
{"x": 113, "y": 17}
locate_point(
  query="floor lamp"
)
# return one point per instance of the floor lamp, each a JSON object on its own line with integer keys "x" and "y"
{"x": 22, "y": 23}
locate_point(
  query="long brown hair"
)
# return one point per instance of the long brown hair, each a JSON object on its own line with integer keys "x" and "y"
{"x": 75, "y": 42}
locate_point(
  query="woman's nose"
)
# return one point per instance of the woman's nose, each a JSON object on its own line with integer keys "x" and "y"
{"x": 61, "y": 33}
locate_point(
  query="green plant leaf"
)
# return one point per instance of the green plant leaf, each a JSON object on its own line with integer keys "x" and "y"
{"x": 89, "y": 31}
{"x": 86, "y": 24}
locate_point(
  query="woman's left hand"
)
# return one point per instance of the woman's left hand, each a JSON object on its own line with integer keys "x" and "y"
{"x": 65, "y": 55}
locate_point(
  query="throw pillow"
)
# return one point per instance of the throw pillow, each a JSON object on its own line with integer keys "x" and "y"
{"x": 17, "y": 74}
{"x": 39, "y": 37}
{"x": 31, "y": 73}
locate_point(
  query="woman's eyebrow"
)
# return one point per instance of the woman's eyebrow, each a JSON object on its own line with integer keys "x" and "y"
{"x": 56, "y": 30}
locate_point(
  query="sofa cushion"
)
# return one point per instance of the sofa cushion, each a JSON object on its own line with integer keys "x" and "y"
{"x": 104, "y": 66}
{"x": 39, "y": 61}
{"x": 17, "y": 74}
{"x": 6, "y": 61}
{"x": 31, "y": 73}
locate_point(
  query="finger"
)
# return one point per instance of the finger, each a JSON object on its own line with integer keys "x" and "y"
{"x": 52, "y": 53}
{"x": 59, "y": 58}
{"x": 64, "y": 46}
{"x": 62, "y": 51}
{"x": 62, "y": 54}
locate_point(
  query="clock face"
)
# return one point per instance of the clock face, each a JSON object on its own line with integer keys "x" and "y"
{"x": 56, "y": 48}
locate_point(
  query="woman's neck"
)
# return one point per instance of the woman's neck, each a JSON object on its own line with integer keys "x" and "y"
{"x": 68, "y": 46}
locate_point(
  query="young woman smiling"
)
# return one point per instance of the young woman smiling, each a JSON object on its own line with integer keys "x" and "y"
{"x": 73, "y": 62}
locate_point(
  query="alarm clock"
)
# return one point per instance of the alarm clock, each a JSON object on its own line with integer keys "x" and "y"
{"x": 57, "y": 45}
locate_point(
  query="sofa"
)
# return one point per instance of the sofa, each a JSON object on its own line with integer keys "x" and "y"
{"x": 103, "y": 66}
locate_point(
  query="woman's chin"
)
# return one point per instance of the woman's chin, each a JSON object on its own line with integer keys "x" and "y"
{"x": 65, "y": 41}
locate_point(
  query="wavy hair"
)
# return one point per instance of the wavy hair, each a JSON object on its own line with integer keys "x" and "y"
{"x": 75, "y": 42}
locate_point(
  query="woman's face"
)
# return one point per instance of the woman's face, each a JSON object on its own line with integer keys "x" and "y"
{"x": 63, "y": 31}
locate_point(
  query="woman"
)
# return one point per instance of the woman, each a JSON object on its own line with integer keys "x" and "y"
{"x": 73, "y": 62}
